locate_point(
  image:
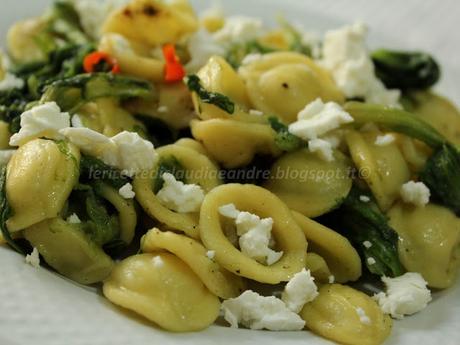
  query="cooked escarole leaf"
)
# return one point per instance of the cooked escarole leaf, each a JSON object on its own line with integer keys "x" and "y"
{"x": 71, "y": 93}
{"x": 98, "y": 224}
{"x": 219, "y": 100}
{"x": 6, "y": 212}
{"x": 442, "y": 176}
{"x": 94, "y": 169}
{"x": 284, "y": 140}
{"x": 363, "y": 221}
{"x": 395, "y": 120}
{"x": 238, "y": 51}
{"x": 406, "y": 70}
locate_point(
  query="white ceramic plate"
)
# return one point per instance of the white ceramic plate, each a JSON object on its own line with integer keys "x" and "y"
{"x": 41, "y": 308}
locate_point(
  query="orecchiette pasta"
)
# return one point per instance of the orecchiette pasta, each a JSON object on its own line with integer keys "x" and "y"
{"x": 429, "y": 242}
{"x": 163, "y": 289}
{"x": 69, "y": 251}
{"x": 284, "y": 83}
{"x": 22, "y": 41}
{"x": 153, "y": 22}
{"x": 287, "y": 234}
{"x": 382, "y": 167}
{"x": 308, "y": 184}
{"x": 199, "y": 169}
{"x": 40, "y": 177}
{"x": 234, "y": 143}
{"x": 218, "y": 280}
{"x": 192, "y": 144}
{"x": 318, "y": 268}
{"x": 345, "y": 315}
{"x": 340, "y": 256}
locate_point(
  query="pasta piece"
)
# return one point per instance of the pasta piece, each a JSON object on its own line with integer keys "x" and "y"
{"x": 318, "y": 268}
{"x": 429, "y": 242}
{"x": 308, "y": 184}
{"x": 218, "y": 280}
{"x": 153, "y": 22}
{"x": 234, "y": 143}
{"x": 67, "y": 249}
{"x": 438, "y": 112}
{"x": 341, "y": 257}
{"x": 164, "y": 290}
{"x": 347, "y": 316}
{"x": 40, "y": 177}
{"x": 284, "y": 83}
{"x": 199, "y": 169}
{"x": 382, "y": 167}
{"x": 218, "y": 76}
{"x": 22, "y": 42}
{"x": 415, "y": 153}
{"x": 132, "y": 61}
{"x": 192, "y": 144}
{"x": 127, "y": 216}
{"x": 287, "y": 234}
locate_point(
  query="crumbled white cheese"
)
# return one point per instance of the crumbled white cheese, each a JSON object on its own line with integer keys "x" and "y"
{"x": 158, "y": 262}
{"x": 163, "y": 109}
{"x": 367, "y": 244}
{"x": 127, "y": 192}
{"x": 126, "y": 151}
{"x": 76, "y": 121}
{"x": 258, "y": 312}
{"x": 371, "y": 261}
{"x": 202, "y": 46}
{"x": 300, "y": 290}
{"x": 405, "y": 295}
{"x": 331, "y": 279}
{"x": 211, "y": 254}
{"x": 254, "y": 234}
{"x": 364, "y": 198}
{"x": 250, "y": 58}
{"x": 180, "y": 197}
{"x": 365, "y": 320}
{"x": 93, "y": 13}
{"x": 73, "y": 219}
{"x": 33, "y": 258}
{"x": 384, "y": 140}
{"x": 10, "y": 81}
{"x": 322, "y": 148}
{"x": 416, "y": 193}
{"x": 239, "y": 29}
{"x": 45, "y": 120}
{"x": 5, "y": 156}
{"x": 255, "y": 112}
{"x": 319, "y": 118}
{"x": 346, "y": 56}
{"x": 135, "y": 154}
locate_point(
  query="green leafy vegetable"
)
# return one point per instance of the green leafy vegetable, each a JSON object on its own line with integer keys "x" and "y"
{"x": 223, "y": 102}
{"x": 98, "y": 224}
{"x": 363, "y": 221}
{"x": 285, "y": 140}
{"x": 442, "y": 176}
{"x": 168, "y": 165}
{"x": 94, "y": 169}
{"x": 395, "y": 120}
{"x": 406, "y": 70}
{"x": 6, "y": 212}
{"x": 71, "y": 93}
{"x": 238, "y": 51}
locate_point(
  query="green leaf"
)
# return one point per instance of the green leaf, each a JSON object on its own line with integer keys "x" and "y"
{"x": 221, "y": 101}
{"x": 406, "y": 70}
{"x": 94, "y": 169}
{"x": 285, "y": 140}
